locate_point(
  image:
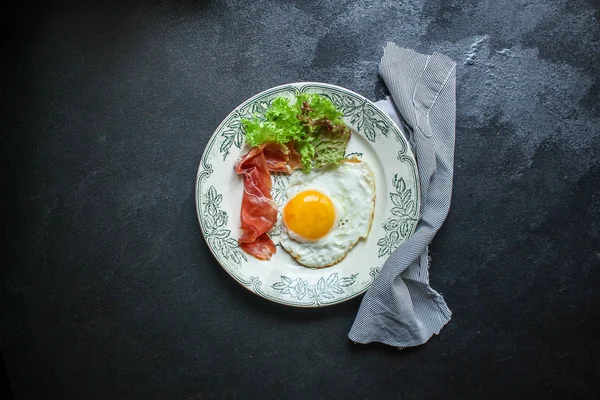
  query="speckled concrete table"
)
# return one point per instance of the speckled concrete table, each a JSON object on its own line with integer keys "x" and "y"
{"x": 109, "y": 291}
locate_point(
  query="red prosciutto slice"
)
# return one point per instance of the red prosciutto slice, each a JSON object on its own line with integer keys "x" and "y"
{"x": 259, "y": 211}
{"x": 281, "y": 157}
{"x": 262, "y": 248}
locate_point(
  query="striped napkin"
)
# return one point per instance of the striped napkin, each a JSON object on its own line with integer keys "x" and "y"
{"x": 400, "y": 309}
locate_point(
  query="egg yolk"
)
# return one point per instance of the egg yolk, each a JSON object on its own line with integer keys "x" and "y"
{"x": 310, "y": 214}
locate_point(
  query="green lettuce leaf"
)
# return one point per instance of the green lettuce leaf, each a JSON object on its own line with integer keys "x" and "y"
{"x": 312, "y": 124}
{"x": 331, "y": 146}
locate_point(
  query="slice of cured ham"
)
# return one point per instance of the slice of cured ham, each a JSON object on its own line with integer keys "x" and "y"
{"x": 259, "y": 211}
{"x": 281, "y": 158}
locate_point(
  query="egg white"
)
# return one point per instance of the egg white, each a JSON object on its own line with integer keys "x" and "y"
{"x": 351, "y": 188}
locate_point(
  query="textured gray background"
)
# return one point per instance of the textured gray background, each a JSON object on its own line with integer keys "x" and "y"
{"x": 109, "y": 291}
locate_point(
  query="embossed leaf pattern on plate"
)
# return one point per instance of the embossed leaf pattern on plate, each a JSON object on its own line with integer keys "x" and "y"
{"x": 403, "y": 218}
{"x": 280, "y": 184}
{"x": 324, "y": 289}
{"x": 361, "y": 115}
{"x": 233, "y": 135}
{"x": 215, "y": 228}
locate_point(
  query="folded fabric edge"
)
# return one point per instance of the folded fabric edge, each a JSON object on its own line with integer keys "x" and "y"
{"x": 389, "y": 45}
{"x": 402, "y": 346}
{"x": 446, "y": 316}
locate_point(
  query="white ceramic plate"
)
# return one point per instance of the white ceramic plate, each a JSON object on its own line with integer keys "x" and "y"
{"x": 375, "y": 139}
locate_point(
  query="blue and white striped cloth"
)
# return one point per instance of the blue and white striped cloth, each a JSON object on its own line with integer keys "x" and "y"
{"x": 401, "y": 309}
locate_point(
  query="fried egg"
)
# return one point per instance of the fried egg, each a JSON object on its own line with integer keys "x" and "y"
{"x": 327, "y": 212}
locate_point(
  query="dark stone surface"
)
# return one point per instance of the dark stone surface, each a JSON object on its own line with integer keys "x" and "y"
{"x": 109, "y": 291}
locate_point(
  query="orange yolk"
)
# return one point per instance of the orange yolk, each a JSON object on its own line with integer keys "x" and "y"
{"x": 309, "y": 214}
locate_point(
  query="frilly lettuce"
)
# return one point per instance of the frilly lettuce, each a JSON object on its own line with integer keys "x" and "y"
{"x": 311, "y": 124}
